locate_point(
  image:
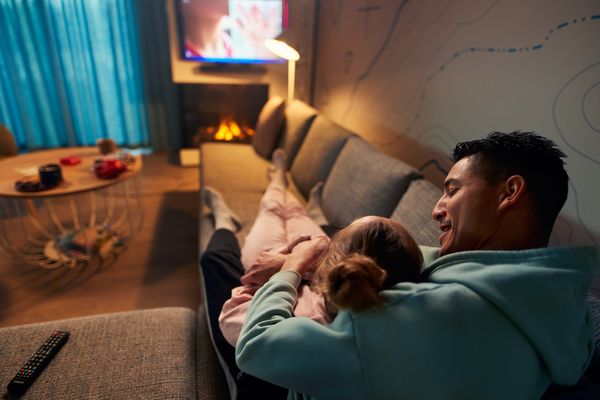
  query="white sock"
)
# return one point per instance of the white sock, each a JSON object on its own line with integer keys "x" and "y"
{"x": 224, "y": 217}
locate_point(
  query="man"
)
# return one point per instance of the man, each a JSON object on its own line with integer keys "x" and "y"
{"x": 503, "y": 193}
{"x": 498, "y": 315}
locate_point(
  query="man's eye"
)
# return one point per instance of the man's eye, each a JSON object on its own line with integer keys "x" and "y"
{"x": 452, "y": 191}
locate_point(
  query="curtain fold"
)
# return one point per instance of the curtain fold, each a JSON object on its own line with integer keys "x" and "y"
{"x": 71, "y": 72}
{"x": 162, "y": 98}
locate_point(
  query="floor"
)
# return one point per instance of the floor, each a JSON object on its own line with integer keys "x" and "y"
{"x": 159, "y": 268}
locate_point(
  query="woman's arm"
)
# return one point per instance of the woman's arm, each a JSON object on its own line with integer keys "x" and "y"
{"x": 234, "y": 310}
{"x": 297, "y": 353}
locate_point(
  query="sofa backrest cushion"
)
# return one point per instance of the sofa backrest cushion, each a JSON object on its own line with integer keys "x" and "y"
{"x": 298, "y": 118}
{"x": 269, "y": 127}
{"x": 414, "y": 212}
{"x": 364, "y": 181}
{"x": 318, "y": 152}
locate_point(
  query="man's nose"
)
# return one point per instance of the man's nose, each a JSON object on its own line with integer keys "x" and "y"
{"x": 439, "y": 211}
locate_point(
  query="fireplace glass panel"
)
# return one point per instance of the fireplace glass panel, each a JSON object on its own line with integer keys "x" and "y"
{"x": 221, "y": 112}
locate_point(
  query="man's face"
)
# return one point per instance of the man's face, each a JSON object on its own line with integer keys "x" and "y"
{"x": 468, "y": 210}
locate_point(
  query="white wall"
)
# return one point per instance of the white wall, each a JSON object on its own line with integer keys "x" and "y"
{"x": 415, "y": 77}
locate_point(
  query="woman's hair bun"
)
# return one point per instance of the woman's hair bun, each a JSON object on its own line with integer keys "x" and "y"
{"x": 354, "y": 283}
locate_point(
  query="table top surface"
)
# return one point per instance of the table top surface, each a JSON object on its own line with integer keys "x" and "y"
{"x": 76, "y": 178}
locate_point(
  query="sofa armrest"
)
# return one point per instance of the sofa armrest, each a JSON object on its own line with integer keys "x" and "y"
{"x": 137, "y": 354}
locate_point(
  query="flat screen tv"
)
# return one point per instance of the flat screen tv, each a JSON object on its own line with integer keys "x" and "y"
{"x": 230, "y": 31}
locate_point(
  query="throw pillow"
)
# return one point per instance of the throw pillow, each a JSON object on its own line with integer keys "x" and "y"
{"x": 317, "y": 154}
{"x": 364, "y": 181}
{"x": 314, "y": 207}
{"x": 414, "y": 212}
{"x": 268, "y": 127}
{"x": 299, "y": 116}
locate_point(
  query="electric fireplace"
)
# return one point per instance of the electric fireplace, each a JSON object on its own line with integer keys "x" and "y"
{"x": 220, "y": 112}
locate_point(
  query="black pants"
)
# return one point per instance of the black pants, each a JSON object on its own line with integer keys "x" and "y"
{"x": 221, "y": 271}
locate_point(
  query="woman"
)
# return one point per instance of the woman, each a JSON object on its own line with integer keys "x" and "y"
{"x": 369, "y": 255}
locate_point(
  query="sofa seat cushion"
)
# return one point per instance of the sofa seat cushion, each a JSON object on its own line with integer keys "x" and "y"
{"x": 298, "y": 118}
{"x": 233, "y": 167}
{"x": 268, "y": 127}
{"x": 414, "y": 212}
{"x": 364, "y": 181}
{"x": 320, "y": 149}
{"x": 145, "y": 354}
{"x": 241, "y": 177}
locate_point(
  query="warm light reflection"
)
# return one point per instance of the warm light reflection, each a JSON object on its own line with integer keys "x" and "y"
{"x": 229, "y": 130}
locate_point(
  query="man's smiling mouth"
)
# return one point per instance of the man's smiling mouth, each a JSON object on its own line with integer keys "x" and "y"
{"x": 445, "y": 228}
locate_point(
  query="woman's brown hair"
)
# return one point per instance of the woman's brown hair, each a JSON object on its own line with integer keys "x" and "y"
{"x": 370, "y": 255}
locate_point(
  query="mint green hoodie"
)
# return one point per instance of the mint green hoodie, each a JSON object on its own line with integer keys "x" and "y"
{"x": 485, "y": 325}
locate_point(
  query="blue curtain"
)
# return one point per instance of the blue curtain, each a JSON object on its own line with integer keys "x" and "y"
{"x": 162, "y": 98}
{"x": 70, "y": 73}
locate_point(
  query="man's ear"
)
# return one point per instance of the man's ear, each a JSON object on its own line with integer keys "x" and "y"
{"x": 512, "y": 191}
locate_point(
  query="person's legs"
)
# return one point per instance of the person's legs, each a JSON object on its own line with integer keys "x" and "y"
{"x": 269, "y": 229}
{"x": 221, "y": 271}
{"x": 297, "y": 221}
{"x": 224, "y": 217}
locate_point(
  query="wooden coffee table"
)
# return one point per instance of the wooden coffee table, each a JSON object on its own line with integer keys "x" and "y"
{"x": 81, "y": 220}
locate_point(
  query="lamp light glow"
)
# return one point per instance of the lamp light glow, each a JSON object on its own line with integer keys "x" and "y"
{"x": 280, "y": 47}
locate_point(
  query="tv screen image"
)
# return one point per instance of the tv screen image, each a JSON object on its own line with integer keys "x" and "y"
{"x": 230, "y": 31}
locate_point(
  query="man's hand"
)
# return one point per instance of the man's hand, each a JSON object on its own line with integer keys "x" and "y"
{"x": 304, "y": 256}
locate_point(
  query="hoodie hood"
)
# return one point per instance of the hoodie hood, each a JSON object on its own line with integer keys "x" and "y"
{"x": 541, "y": 291}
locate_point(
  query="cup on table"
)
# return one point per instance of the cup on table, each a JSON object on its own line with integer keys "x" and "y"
{"x": 50, "y": 174}
{"x": 106, "y": 146}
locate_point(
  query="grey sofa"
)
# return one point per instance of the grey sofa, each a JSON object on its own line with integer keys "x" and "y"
{"x": 167, "y": 353}
{"x": 339, "y": 177}
{"x": 355, "y": 178}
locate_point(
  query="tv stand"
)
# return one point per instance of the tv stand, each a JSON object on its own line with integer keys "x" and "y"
{"x": 228, "y": 68}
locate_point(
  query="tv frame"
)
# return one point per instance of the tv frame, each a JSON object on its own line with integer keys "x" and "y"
{"x": 224, "y": 62}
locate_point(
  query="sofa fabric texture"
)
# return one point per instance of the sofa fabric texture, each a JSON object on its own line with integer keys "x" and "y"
{"x": 414, "y": 212}
{"x": 268, "y": 127}
{"x": 377, "y": 182}
{"x": 320, "y": 149}
{"x": 229, "y": 167}
{"x": 145, "y": 354}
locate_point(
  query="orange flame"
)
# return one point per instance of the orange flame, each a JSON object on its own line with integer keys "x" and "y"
{"x": 229, "y": 130}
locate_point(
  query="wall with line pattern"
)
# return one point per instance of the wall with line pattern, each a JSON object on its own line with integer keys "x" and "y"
{"x": 415, "y": 77}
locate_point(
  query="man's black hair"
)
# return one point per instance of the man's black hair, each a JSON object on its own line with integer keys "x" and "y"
{"x": 536, "y": 158}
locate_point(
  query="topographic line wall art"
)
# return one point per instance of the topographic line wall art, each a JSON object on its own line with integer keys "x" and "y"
{"x": 423, "y": 75}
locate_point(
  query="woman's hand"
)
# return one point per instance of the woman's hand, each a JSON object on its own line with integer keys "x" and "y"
{"x": 304, "y": 256}
{"x": 288, "y": 249}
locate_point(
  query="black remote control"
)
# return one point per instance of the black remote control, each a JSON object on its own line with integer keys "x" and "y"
{"x": 36, "y": 364}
